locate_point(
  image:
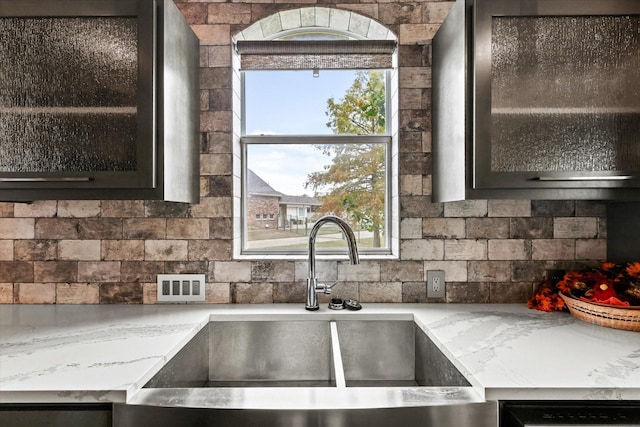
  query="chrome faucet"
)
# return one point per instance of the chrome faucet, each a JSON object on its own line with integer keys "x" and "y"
{"x": 313, "y": 287}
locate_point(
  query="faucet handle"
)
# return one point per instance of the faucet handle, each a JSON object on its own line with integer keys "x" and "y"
{"x": 325, "y": 287}
{"x": 328, "y": 287}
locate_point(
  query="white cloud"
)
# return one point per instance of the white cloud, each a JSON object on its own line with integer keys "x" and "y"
{"x": 277, "y": 155}
{"x": 286, "y": 167}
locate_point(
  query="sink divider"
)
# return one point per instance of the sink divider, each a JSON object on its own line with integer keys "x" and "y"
{"x": 337, "y": 356}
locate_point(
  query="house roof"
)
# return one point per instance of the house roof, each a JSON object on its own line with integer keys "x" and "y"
{"x": 258, "y": 187}
{"x": 299, "y": 200}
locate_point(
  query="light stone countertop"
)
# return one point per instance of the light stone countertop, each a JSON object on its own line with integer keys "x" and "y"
{"x": 106, "y": 353}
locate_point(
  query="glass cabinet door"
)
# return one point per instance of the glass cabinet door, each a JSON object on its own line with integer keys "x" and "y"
{"x": 76, "y": 99}
{"x": 557, "y": 94}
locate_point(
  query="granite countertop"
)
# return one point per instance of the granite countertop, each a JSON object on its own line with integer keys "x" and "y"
{"x": 106, "y": 353}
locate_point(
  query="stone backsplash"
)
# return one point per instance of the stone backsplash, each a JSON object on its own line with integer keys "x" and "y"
{"x": 103, "y": 252}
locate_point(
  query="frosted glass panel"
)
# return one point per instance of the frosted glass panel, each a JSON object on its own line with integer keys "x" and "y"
{"x": 68, "y": 94}
{"x": 565, "y": 142}
{"x": 68, "y": 142}
{"x": 565, "y": 93}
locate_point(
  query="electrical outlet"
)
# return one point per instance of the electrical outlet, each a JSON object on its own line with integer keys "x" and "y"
{"x": 435, "y": 284}
{"x": 178, "y": 288}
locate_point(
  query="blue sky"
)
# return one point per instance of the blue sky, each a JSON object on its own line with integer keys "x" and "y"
{"x": 290, "y": 103}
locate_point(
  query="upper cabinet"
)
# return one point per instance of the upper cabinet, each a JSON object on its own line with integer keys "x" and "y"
{"x": 98, "y": 100}
{"x": 537, "y": 99}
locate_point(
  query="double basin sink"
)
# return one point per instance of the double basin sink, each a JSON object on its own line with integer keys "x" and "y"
{"x": 308, "y": 372}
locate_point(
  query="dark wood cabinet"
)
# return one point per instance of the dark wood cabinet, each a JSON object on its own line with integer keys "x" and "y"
{"x": 56, "y": 415}
{"x": 537, "y": 99}
{"x": 569, "y": 413}
{"x": 98, "y": 100}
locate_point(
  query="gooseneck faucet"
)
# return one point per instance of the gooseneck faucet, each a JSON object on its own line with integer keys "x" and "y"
{"x": 313, "y": 287}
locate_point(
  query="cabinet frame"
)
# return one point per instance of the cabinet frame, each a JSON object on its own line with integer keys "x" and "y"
{"x": 168, "y": 116}
{"x": 146, "y": 21}
{"x": 462, "y": 110}
{"x": 483, "y": 14}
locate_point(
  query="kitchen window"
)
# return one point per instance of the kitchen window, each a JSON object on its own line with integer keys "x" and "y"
{"x": 282, "y": 65}
{"x": 316, "y": 141}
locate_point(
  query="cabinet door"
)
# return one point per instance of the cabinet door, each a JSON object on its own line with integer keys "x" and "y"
{"x": 557, "y": 100}
{"x": 56, "y": 415}
{"x": 569, "y": 413}
{"x": 77, "y": 94}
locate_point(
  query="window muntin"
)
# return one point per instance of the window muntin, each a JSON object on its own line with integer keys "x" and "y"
{"x": 314, "y": 35}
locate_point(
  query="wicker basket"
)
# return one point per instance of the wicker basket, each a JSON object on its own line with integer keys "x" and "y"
{"x": 618, "y": 317}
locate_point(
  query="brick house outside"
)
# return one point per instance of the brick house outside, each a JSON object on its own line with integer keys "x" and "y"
{"x": 268, "y": 208}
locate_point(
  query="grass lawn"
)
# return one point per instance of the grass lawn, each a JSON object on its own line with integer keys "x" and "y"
{"x": 363, "y": 243}
{"x": 269, "y": 233}
{"x": 301, "y": 241}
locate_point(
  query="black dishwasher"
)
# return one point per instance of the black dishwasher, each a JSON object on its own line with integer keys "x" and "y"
{"x": 569, "y": 413}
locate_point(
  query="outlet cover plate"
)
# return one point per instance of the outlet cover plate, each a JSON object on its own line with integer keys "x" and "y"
{"x": 181, "y": 288}
{"x": 435, "y": 284}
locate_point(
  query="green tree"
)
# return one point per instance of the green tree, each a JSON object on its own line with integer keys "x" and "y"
{"x": 353, "y": 185}
{"x": 362, "y": 110}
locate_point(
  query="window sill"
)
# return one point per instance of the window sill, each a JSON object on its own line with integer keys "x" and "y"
{"x": 304, "y": 257}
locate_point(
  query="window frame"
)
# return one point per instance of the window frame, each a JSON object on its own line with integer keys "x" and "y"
{"x": 386, "y": 139}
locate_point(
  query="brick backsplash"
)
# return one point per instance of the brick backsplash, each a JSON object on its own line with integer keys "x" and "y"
{"x": 109, "y": 252}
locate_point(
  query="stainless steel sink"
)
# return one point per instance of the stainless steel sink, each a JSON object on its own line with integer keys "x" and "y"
{"x": 382, "y": 353}
{"x": 252, "y": 354}
{"x": 308, "y": 373}
{"x": 372, "y": 353}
